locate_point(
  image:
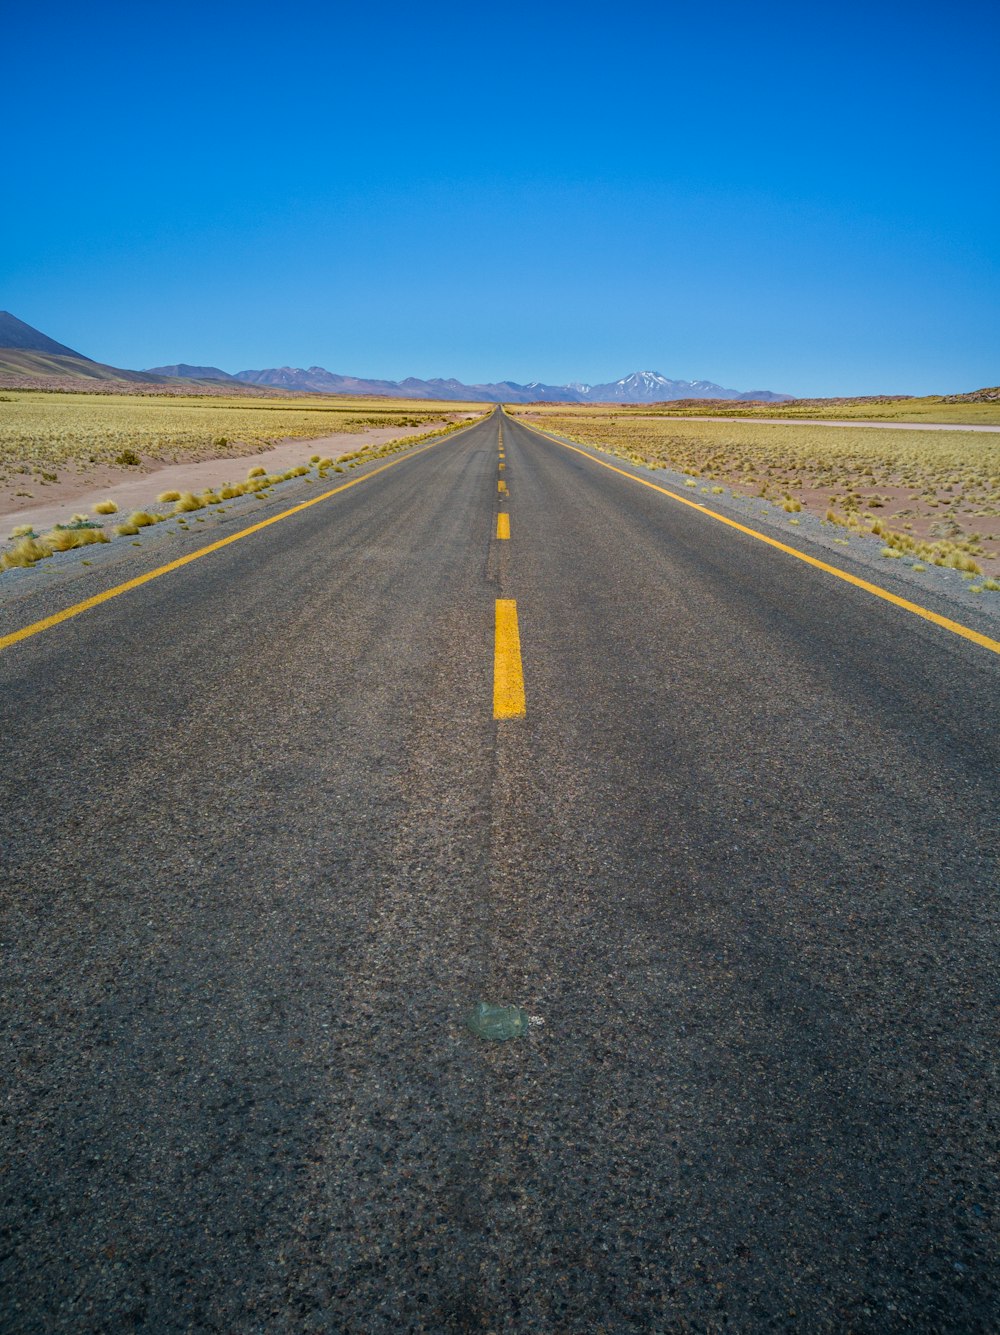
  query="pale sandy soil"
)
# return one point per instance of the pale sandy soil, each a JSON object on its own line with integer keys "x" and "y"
{"x": 137, "y": 488}
{"x": 951, "y": 518}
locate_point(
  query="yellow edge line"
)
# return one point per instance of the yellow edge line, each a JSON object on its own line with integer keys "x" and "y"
{"x": 954, "y": 626}
{"x": 47, "y": 623}
{"x": 508, "y": 677}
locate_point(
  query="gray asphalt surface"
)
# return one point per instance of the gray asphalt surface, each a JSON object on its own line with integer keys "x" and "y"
{"x": 264, "y": 845}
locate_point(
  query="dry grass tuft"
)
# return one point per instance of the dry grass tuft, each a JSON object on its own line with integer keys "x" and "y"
{"x": 24, "y": 554}
{"x": 165, "y": 497}
{"x": 106, "y": 508}
{"x": 67, "y": 539}
{"x": 188, "y": 502}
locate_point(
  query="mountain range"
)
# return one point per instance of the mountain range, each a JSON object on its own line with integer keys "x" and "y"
{"x": 26, "y": 354}
{"x": 639, "y": 387}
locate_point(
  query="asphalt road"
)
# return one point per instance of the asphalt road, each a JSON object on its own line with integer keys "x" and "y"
{"x": 264, "y": 845}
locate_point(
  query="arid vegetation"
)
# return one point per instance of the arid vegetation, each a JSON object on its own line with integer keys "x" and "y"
{"x": 980, "y": 408}
{"x": 41, "y": 434}
{"x": 26, "y": 547}
{"x": 933, "y": 495}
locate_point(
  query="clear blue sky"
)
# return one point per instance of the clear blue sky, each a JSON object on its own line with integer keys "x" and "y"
{"x": 792, "y": 197}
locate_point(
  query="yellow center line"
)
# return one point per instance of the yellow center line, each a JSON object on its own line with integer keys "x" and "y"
{"x": 503, "y": 526}
{"x": 47, "y": 623}
{"x": 502, "y": 487}
{"x": 500, "y": 465}
{"x": 508, "y": 677}
{"x": 956, "y": 628}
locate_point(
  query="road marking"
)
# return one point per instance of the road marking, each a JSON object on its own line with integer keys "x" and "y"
{"x": 47, "y": 623}
{"x": 501, "y": 465}
{"x": 503, "y": 526}
{"x": 956, "y": 628}
{"x": 508, "y": 677}
{"x": 502, "y": 487}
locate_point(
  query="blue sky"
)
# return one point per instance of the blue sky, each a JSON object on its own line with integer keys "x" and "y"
{"x": 785, "y": 197}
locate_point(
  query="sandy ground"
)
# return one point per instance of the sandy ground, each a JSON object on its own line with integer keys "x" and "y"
{"x": 137, "y": 488}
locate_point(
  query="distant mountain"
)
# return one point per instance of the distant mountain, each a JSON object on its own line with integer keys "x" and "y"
{"x": 183, "y": 372}
{"x": 14, "y": 333}
{"x": 30, "y": 359}
{"x": 316, "y": 380}
{"x": 26, "y": 354}
{"x": 639, "y": 387}
{"x": 28, "y": 364}
{"x": 651, "y": 387}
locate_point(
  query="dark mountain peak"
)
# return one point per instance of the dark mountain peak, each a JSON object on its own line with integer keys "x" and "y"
{"x": 14, "y": 333}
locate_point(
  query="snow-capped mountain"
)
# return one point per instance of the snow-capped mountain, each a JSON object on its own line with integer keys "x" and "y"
{"x": 639, "y": 387}
{"x": 652, "y": 387}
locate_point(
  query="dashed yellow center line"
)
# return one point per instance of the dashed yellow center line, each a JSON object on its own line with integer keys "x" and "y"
{"x": 36, "y": 628}
{"x": 508, "y": 676}
{"x": 502, "y": 487}
{"x": 501, "y": 465}
{"x": 503, "y": 526}
{"x": 956, "y": 628}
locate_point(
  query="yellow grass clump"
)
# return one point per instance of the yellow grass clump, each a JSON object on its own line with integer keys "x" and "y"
{"x": 165, "y": 497}
{"x": 187, "y": 502}
{"x": 24, "y": 554}
{"x": 108, "y": 507}
{"x": 67, "y": 539}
